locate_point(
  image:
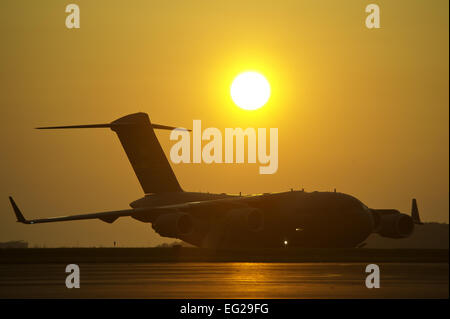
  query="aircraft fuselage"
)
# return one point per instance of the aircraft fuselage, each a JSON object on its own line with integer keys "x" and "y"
{"x": 294, "y": 219}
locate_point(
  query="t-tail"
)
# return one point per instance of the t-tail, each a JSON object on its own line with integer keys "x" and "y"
{"x": 138, "y": 138}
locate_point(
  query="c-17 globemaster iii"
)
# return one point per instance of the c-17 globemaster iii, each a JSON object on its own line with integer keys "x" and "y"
{"x": 293, "y": 218}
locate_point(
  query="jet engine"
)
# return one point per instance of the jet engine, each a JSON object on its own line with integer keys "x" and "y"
{"x": 393, "y": 225}
{"x": 173, "y": 224}
{"x": 247, "y": 218}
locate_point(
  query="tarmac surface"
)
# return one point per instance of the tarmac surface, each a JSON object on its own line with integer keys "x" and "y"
{"x": 225, "y": 280}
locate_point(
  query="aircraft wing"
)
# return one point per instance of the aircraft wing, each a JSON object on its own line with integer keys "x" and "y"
{"x": 149, "y": 213}
{"x": 108, "y": 217}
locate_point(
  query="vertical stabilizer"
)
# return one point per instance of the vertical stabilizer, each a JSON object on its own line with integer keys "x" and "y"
{"x": 145, "y": 153}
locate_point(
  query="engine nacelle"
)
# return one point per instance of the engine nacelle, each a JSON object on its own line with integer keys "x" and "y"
{"x": 394, "y": 225}
{"x": 247, "y": 218}
{"x": 173, "y": 224}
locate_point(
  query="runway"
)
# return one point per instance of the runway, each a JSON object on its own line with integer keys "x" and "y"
{"x": 225, "y": 280}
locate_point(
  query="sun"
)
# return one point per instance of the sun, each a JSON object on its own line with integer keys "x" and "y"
{"x": 250, "y": 90}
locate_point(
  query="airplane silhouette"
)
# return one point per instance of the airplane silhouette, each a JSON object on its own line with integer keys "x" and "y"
{"x": 294, "y": 218}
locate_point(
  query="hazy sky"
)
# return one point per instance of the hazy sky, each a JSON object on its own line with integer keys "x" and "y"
{"x": 364, "y": 111}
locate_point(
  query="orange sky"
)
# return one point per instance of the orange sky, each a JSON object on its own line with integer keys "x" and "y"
{"x": 363, "y": 111}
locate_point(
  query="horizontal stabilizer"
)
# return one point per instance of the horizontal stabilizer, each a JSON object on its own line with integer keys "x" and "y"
{"x": 74, "y": 126}
{"x": 109, "y": 125}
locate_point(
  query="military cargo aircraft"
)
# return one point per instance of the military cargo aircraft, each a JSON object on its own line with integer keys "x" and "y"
{"x": 224, "y": 221}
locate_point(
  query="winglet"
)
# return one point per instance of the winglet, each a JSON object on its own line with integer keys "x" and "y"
{"x": 415, "y": 213}
{"x": 17, "y": 211}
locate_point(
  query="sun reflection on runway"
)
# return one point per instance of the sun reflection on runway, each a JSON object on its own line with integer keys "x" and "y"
{"x": 225, "y": 280}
